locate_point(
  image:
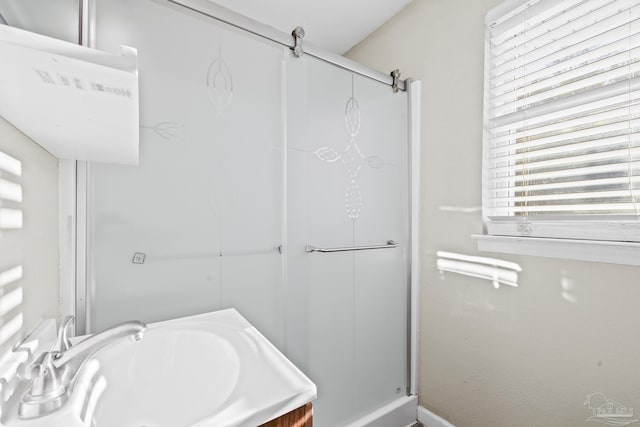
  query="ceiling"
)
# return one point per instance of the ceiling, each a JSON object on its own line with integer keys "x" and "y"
{"x": 336, "y": 25}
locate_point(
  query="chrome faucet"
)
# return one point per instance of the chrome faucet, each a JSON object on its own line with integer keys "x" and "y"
{"x": 54, "y": 373}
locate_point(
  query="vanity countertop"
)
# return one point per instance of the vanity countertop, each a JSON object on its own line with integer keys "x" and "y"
{"x": 213, "y": 369}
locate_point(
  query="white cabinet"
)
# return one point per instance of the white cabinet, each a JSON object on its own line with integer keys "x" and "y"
{"x": 77, "y": 103}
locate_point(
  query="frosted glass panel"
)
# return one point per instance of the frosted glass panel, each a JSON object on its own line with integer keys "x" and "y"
{"x": 204, "y": 205}
{"x": 59, "y": 19}
{"x": 248, "y": 154}
{"x": 380, "y": 282}
{"x": 347, "y": 186}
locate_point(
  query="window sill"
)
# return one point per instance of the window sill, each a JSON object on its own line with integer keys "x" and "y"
{"x": 626, "y": 253}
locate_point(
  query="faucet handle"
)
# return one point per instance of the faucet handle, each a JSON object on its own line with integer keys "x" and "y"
{"x": 44, "y": 377}
{"x": 63, "y": 343}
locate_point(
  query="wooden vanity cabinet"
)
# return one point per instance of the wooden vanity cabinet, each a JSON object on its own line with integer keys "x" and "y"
{"x": 301, "y": 417}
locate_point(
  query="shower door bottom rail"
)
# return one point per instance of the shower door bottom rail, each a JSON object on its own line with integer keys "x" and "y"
{"x": 389, "y": 245}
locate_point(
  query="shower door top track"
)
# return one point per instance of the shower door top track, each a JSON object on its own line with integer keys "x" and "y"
{"x": 229, "y": 17}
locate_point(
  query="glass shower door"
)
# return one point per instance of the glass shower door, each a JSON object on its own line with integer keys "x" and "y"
{"x": 347, "y": 187}
{"x": 247, "y": 156}
{"x": 197, "y": 226}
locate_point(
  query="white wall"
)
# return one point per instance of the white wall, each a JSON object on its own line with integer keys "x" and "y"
{"x": 525, "y": 356}
{"x": 34, "y": 246}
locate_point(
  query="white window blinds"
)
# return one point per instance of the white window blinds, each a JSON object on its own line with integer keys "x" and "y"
{"x": 562, "y": 119}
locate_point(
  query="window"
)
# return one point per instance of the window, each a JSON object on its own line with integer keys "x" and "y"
{"x": 11, "y": 293}
{"x": 562, "y": 120}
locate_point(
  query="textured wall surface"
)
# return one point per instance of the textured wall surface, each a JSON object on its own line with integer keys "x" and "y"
{"x": 525, "y": 356}
{"x": 28, "y": 254}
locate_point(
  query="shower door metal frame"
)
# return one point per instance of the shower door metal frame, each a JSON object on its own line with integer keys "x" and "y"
{"x": 414, "y": 92}
{"x": 74, "y": 177}
{"x": 234, "y": 19}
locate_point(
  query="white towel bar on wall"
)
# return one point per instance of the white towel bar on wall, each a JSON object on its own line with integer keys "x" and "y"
{"x": 390, "y": 244}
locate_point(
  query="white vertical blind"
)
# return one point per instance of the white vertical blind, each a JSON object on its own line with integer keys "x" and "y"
{"x": 562, "y": 119}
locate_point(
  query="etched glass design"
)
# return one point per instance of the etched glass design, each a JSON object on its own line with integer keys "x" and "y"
{"x": 219, "y": 82}
{"x": 165, "y": 130}
{"x": 352, "y": 157}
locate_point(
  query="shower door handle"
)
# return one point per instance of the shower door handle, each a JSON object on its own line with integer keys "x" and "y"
{"x": 389, "y": 245}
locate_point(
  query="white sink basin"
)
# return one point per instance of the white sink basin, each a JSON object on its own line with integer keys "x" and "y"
{"x": 212, "y": 370}
{"x": 173, "y": 377}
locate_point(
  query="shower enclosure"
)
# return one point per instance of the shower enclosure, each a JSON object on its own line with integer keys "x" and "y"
{"x": 276, "y": 184}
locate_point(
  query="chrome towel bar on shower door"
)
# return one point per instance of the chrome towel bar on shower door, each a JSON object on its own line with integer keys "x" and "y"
{"x": 390, "y": 244}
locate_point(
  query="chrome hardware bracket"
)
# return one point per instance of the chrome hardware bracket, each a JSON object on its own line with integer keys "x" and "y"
{"x": 396, "y": 78}
{"x": 298, "y": 35}
{"x": 138, "y": 258}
